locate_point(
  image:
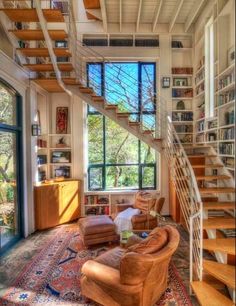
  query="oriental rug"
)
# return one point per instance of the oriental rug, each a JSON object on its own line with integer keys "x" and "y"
{"x": 52, "y": 277}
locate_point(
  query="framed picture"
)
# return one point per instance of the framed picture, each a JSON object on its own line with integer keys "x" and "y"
{"x": 231, "y": 55}
{"x": 61, "y": 157}
{"x": 62, "y": 171}
{"x": 61, "y": 120}
{"x": 165, "y": 82}
{"x": 180, "y": 82}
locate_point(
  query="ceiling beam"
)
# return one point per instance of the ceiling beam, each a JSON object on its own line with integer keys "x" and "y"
{"x": 157, "y": 14}
{"x": 120, "y": 15}
{"x": 104, "y": 14}
{"x": 139, "y": 14}
{"x": 176, "y": 13}
{"x": 195, "y": 10}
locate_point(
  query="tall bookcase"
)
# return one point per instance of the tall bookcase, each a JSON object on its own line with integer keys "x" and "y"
{"x": 219, "y": 130}
{"x": 54, "y": 150}
{"x": 182, "y": 86}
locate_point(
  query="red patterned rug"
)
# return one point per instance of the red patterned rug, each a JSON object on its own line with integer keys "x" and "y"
{"x": 53, "y": 276}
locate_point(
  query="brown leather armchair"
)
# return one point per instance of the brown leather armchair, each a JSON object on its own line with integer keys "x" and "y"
{"x": 133, "y": 277}
{"x": 145, "y": 203}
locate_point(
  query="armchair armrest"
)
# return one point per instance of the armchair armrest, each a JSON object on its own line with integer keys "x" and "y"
{"x": 121, "y": 207}
{"x": 107, "y": 276}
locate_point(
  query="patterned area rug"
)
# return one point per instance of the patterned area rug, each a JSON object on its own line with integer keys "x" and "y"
{"x": 53, "y": 276}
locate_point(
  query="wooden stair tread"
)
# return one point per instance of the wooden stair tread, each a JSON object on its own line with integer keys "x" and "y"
{"x": 207, "y": 166}
{"x": 52, "y": 85}
{"x": 48, "y": 67}
{"x": 38, "y": 34}
{"x": 223, "y": 272}
{"x": 217, "y": 190}
{"x": 212, "y": 177}
{"x": 218, "y": 205}
{"x": 225, "y": 245}
{"x": 209, "y": 296}
{"x": 219, "y": 223}
{"x": 123, "y": 114}
{"x": 43, "y": 52}
{"x": 30, "y": 15}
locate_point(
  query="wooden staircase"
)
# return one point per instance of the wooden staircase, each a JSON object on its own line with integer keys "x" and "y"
{"x": 27, "y": 17}
{"x": 215, "y": 187}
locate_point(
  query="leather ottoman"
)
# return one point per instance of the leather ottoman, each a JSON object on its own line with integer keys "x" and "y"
{"x": 97, "y": 229}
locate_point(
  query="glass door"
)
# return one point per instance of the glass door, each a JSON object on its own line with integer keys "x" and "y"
{"x": 10, "y": 161}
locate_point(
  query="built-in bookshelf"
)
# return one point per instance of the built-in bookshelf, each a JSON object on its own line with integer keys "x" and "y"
{"x": 218, "y": 131}
{"x": 182, "y": 87}
{"x": 54, "y": 146}
{"x": 104, "y": 203}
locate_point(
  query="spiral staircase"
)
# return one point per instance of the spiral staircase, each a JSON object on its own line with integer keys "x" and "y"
{"x": 204, "y": 187}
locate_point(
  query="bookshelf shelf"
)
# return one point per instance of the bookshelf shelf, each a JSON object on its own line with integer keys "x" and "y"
{"x": 226, "y": 88}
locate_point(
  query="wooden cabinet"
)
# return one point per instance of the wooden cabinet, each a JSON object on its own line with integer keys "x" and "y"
{"x": 56, "y": 203}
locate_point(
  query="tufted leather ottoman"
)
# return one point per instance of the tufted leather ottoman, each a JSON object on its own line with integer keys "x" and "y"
{"x": 97, "y": 229}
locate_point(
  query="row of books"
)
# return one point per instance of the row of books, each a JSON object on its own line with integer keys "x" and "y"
{"x": 188, "y": 116}
{"x": 200, "y": 76}
{"x": 226, "y": 148}
{"x": 226, "y": 134}
{"x": 96, "y": 199}
{"x": 184, "y": 128}
{"x": 225, "y": 98}
{"x": 229, "y": 117}
{"x": 226, "y": 81}
{"x": 182, "y": 93}
{"x": 182, "y": 70}
{"x": 200, "y": 88}
{"x": 229, "y": 162}
{"x": 201, "y": 126}
{"x": 91, "y": 211}
{"x": 41, "y": 143}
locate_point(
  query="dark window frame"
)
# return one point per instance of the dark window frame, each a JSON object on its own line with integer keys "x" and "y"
{"x": 139, "y": 164}
{"x": 17, "y": 130}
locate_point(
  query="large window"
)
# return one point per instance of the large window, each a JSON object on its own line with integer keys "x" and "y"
{"x": 117, "y": 159}
{"x": 10, "y": 161}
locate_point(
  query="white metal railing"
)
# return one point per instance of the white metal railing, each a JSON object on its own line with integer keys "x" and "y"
{"x": 183, "y": 178}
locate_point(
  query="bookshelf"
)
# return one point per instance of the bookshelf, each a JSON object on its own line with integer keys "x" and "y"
{"x": 182, "y": 86}
{"x": 218, "y": 131}
{"x": 53, "y": 149}
{"x": 104, "y": 203}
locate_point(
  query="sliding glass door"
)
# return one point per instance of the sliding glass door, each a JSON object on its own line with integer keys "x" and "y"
{"x": 10, "y": 166}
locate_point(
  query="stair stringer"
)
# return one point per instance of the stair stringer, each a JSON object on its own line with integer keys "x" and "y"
{"x": 111, "y": 114}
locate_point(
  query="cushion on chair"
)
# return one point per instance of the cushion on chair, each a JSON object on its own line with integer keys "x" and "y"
{"x": 111, "y": 258}
{"x": 157, "y": 239}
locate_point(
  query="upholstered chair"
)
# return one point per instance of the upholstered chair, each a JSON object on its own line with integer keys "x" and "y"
{"x": 145, "y": 203}
{"x": 136, "y": 276}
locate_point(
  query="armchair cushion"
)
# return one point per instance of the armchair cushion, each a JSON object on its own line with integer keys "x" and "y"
{"x": 111, "y": 258}
{"x": 157, "y": 239}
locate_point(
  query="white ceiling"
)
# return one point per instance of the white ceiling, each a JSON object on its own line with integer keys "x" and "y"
{"x": 148, "y": 13}
{"x": 148, "y": 10}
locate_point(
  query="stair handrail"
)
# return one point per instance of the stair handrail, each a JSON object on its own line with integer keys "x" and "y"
{"x": 183, "y": 177}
